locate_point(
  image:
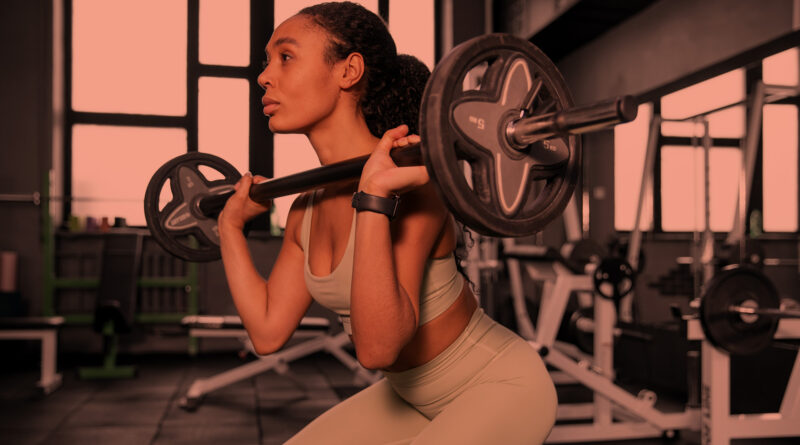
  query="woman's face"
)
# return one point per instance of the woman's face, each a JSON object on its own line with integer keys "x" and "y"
{"x": 300, "y": 87}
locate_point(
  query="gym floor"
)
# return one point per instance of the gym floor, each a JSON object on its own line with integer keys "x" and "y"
{"x": 266, "y": 409}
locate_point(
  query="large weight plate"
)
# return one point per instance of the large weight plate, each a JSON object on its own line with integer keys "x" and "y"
{"x": 733, "y": 332}
{"x": 177, "y": 223}
{"x": 614, "y": 278}
{"x": 474, "y": 91}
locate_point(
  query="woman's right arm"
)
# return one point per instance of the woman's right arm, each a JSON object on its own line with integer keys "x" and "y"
{"x": 270, "y": 309}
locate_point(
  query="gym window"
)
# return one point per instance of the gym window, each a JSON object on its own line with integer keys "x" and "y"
{"x": 147, "y": 81}
{"x": 678, "y": 176}
{"x": 150, "y": 80}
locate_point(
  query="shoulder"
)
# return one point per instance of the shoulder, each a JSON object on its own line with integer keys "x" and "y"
{"x": 421, "y": 211}
{"x": 424, "y": 200}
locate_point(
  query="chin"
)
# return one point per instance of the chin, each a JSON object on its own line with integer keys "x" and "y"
{"x": 279, "y": 127}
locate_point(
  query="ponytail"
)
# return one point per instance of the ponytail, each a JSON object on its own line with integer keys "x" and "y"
{"x": 393, "y": 84}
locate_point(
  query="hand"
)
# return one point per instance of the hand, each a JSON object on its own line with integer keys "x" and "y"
{"x": 240, "y": 208}
{"x": 381, "y": 176}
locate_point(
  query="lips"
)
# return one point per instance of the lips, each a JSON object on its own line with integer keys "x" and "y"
{"x": 269, "y": 105}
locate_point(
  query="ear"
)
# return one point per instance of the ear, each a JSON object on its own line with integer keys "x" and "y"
{"x": 351, "y": 70}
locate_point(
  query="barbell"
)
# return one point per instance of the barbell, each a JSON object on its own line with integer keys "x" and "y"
{"x": 740, "y": 310}
{"x": 495, "y": 102}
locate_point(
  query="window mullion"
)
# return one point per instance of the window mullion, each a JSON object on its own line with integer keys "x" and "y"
{"x": 192, "y": 73}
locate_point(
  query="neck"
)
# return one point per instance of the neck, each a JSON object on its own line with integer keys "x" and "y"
{"x": 342, "y": 135}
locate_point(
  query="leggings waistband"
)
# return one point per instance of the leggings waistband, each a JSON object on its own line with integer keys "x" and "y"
{"x": 479, "y": 330}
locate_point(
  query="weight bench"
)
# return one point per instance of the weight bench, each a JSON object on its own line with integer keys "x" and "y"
{"x": 315, "y": 329}
{"x": 37, "y": 328}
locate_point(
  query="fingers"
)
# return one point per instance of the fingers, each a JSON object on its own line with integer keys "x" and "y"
{"x": 406, "y": 140}
{"x": 388, "y": 139}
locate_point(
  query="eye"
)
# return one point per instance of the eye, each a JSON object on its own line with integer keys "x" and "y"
{"x": 285, "y": 57}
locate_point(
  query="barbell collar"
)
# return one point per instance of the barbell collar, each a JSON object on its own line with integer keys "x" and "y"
{"x": 528, "y": 130}
{"x": 264, "y": 192}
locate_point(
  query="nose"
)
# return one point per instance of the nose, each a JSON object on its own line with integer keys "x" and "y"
{"x": 264, "y": 80}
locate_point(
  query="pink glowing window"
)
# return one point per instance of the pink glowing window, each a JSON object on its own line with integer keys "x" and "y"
{"x": 129, "y": 57}
{"x": 225, "y": 32}
{"x": 726, "y": 123}
{"x": 782, "y": 68}
{"x": 630, "y": 146}
{"x": 708, "y": 95}
{"x": 780, "y": 163}
{"x": 411, "y": 24}
{"x": 112, "y": 165}
{"x": 223, "y": 119}
{"x": 683, "y": 188}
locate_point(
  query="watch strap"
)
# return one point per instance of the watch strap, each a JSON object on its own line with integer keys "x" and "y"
{"x": 377, "y": 204}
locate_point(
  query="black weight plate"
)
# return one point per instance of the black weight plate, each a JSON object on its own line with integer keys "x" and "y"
{"x": 733, "y": 332}
{"x": 614, "y": 278}
{"x": 178, "y": 225}
{"x": 474, "y": 91}
{"x": 584, "y": 339}
{"x": 582, "y": 252}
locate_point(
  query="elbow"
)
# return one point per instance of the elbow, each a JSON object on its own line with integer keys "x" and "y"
{"x": 375, "y": 357}
{"x": 374, "y": 361}
{"x": 265, "y": 345}
{"x": 262, "y": 348}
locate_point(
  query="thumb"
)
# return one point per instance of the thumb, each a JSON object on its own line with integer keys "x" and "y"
{"x": 243, "y": 185}
{"x": 390, "y": 136}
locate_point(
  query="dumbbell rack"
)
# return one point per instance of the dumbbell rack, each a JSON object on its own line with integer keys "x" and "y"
{"x": 719, "y": 426}
{"x": 615, "y": 413}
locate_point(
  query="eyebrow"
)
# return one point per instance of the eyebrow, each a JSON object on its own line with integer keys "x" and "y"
{"x": 287, "y": 40}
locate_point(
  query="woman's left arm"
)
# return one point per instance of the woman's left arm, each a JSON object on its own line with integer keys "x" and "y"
{"x": 390, "y": 257}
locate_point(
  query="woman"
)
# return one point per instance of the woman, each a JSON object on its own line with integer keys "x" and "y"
{"x": 452, "y": 374}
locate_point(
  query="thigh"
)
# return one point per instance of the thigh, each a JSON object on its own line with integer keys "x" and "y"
{"x": 513, "y": 402}
{"x": 376, "y": 415}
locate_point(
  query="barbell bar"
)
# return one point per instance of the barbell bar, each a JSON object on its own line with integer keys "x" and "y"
{"x": 523, "y": 131}
{"x": 495, "y": 104}
{"x": 764, "y": 312}
{"x": 740, "y": 310}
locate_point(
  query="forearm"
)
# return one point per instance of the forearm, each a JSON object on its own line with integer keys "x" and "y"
{"x": 382, "y": 315}
{"x": 247, "y": 286}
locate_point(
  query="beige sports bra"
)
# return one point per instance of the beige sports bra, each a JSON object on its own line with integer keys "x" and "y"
{"x": 441, "y": 283}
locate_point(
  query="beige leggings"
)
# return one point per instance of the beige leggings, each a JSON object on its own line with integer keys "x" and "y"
{"x": 488, "y": 387}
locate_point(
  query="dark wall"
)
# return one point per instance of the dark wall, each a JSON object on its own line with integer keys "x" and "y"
{"x": 25, "y": 132}
{"x": 667, "y": 41}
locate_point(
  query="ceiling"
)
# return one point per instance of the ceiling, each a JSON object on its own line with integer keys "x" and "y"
{"x": 583, "y": 22}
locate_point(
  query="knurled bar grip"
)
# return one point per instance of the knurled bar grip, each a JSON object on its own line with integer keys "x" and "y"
{"x": 572, "y": 121}
{"x": 310, "y": 179}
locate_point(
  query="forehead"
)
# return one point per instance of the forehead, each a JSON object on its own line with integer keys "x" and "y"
{"x": 297, "y": 30}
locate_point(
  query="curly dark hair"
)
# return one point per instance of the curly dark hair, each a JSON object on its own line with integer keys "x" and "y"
{"x": 393, "y": 84}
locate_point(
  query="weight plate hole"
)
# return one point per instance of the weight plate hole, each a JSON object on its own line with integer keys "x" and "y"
{"x": 165, "y": 196}
{"x": 749, "y": 318}
{"x": 211, "y": 174}
{"x": 467, "y": 173}
{"x": 474, "y": 77}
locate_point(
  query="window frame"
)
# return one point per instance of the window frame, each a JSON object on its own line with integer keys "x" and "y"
{"x": 751, "y": 61}
{"x": 260, "y": 146}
